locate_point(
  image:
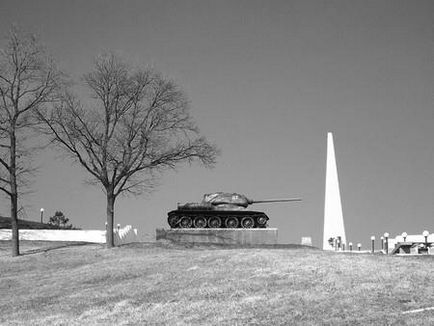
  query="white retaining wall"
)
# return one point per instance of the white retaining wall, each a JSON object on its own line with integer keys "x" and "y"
{"x": 122, "y": 236}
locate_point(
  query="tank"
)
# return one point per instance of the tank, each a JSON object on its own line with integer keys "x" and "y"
{"x": 221, "y": 210}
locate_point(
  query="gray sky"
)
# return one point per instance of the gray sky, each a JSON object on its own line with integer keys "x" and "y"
{"x": 267, "y": 80}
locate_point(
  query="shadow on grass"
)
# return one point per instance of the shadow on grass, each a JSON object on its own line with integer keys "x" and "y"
{"x": 170, "y": 244}
{"x": 32, "y": 247}
{"x": 55, "y": 247}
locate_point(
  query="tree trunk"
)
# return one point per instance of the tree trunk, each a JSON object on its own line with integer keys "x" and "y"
{"x": 14, "y": 226}
{"x": 110, "y": 243}
{"x": 14, "y": 195}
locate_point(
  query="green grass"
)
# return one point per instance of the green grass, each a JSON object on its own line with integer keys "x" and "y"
{"x": 164, "y": 284}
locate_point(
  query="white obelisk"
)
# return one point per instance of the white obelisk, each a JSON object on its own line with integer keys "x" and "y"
{"x": 333, "y": 217}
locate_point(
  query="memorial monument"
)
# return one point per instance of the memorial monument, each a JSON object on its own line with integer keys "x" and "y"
{"x": 334, "y": 230}
{"x": 221, "y": 218}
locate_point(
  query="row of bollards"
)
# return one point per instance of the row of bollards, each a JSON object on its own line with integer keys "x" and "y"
{"x": 359, "y": 246}
{"x": 384, "y": 242}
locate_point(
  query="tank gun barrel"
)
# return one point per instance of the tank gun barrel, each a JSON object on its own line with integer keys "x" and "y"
{"x": 274, "y": 200}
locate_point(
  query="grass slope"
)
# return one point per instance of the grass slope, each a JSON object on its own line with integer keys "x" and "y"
{"x": 5, "y": 223}
{"x": 163, "y": 284}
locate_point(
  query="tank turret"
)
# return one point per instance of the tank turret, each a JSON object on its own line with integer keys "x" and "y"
{"x": 225, "y": 198}
{"x": 221, "y": 209}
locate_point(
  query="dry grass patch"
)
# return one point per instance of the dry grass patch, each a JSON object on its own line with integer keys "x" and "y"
{"x": 159, "y": 284}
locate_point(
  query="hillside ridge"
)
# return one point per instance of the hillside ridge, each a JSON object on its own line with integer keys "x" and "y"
{"x": 5, "y": 223}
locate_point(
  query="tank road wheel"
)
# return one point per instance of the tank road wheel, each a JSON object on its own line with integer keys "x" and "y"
{"x": 214, "y": 222}
{"x": 261, "y": 220}
{"x": 231, "y": 222}
{"x": 247, "y": 222}
{"x": 199, "y": 222}
{"x": 186, "y": 222}
{"x": 173, "y": 221}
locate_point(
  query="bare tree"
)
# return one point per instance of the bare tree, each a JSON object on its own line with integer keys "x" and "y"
{"x": 28, "y": 80}
{"x": 135, "y": 125}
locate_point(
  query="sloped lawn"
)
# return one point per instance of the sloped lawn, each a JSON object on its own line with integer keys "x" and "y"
{"x": 165, "y": 284}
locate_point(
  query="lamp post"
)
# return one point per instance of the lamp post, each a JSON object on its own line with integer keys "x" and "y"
{"x": 404, "y": 235}
{"x": 386, "y": 242}
{"x": 426, "y": 234}
{"x": 359, "y": 246}
{"x": 42, "y": 214}
{"x": 373, "y": 244}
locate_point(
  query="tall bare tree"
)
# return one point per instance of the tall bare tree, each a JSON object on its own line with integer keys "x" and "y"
{"x": 28, "y": 80}
{"x": 134, "y": 126}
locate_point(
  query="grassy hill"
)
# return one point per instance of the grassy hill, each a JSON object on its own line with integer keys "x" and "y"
{"x": 165, "y": 284}
{"x": 5, "y": 223}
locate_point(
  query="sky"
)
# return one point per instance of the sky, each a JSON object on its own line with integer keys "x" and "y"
{"x": 267, "y": 80}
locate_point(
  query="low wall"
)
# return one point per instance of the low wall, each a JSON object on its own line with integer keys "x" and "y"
{"x": 121, "y": 236}
{"x": 222, "y": 236}
{"x": 96, "y": 236}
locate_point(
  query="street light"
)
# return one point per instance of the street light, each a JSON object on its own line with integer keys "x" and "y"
{"x": 42, "y": 214}
{"x": 426, "y": 234}
{"x": 404, "y": 235}
{"x": 373, "y": 243}
{"x": 386, "y": 237}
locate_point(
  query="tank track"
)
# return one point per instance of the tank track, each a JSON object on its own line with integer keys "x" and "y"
{"x": 195, "y": 219}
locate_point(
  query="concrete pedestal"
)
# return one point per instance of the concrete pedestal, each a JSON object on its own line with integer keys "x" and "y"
{"x": 221, "y": 236}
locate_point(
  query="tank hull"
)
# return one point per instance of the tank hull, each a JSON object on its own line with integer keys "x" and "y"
{"x": 215, "y": 219}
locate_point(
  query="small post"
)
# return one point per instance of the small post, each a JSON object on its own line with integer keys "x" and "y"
{"x": 373, "y": 244}
{"x": 106, "y": 226}
{"x": 118, "y": 226}
{"x": 351, "y": 246}
{"x": 42, "y": 215}
{"x": 359, "y": 246}
{"x": 386, "y": 242}
{"x": 343, "y": 247}
{"x": 426, "y": 234}
{"x": 404, "y": 235}
{"x": 382, "y": 243}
